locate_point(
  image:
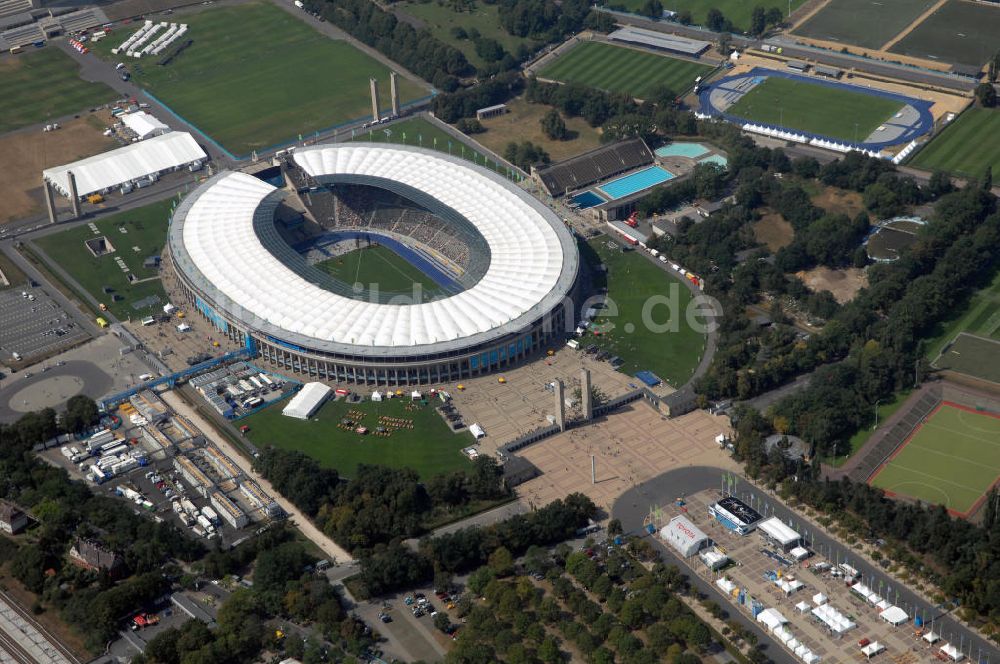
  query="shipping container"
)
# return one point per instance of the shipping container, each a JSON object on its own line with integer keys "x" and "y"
{"x": 210, "y": 513}
{"x": 266, "y": 380}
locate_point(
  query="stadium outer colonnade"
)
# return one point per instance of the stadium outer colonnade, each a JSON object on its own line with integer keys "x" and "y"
{"x": 399, "y": 371}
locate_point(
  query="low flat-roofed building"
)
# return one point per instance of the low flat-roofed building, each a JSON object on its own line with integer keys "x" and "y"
{"x": 222, "y": 464}
{"x": 149, "y": 406}
{"x": 660, "y": 41}
{"x": 193, "y": 475}
{"x": 829, "y": 72}
{"x": 735, "y": 515}
{"x": 228, "y": 510}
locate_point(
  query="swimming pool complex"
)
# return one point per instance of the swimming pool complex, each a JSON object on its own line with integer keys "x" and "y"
{"x": 637, "y": 181}
{"x": 690, "y": 150}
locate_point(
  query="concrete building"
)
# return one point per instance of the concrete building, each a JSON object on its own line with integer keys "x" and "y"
{"x": 228, "y": 510}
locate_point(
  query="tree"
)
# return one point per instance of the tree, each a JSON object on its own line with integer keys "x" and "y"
{"x": 81, "y": 412}
{"x": 684, "y": 17}
{"x": 774, "y": 16}
{"x": 652, "y": 9}
{"x": 987, "y": 182}
{"x": 715, "y": 21}
{"x": 986, "y": 95}
{"x": 501, "y": 562}
{"x": 758, "y": 21}
{"x": 470, "y": 126}
{"x": 553, "y": 126}
{"x": 441, "y": 621}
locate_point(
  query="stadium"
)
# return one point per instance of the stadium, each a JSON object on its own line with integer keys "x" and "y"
{"x": 500, "y": 264}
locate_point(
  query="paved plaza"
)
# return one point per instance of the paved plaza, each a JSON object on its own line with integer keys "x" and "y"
{"x": 630, "y": 446}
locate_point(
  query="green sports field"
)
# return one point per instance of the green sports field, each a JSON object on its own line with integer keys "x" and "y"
{"x": 980, "y": 317}
{"x": 623, "y": 69}
{"x": 633, "y": 282}
{"x": 959, "y": 31}
{"x": 380, "y": 267}
{"x": 862, "y": 22}
{"x": 145, "y": 228}
{"x": 44, "y": 84}
{"x": 257, "y": 76}
{"x": 428, "y": 448}
{"x": 965, "y": 147}
{"x": 952, "y": 459}
{"x": 817, "y": 109}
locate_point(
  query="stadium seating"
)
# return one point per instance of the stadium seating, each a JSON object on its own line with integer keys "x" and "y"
{"x": 596, "y": 165}
{"x": 896, "y": 436}
{"x": 12, "y": 7}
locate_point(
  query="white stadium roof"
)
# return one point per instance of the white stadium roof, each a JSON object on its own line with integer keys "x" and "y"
{"x": 111, "y": 169}
{"x": 532, "y": 257}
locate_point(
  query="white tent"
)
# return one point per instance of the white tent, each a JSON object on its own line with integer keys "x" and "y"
{"x": 883, "y": 605}
{"x": 809, "y": 657}
{"x": 799, "y": 553}
{"x": 725, "y": 584}
{"x": 874, "y": 599}
{"x": 862, "y": 590}
{"x": 112, "y": 169}
{"x": 931, "y": 637}
{"x": 476, "y": 431}
{"x": 183, "y": 327}
{"x": 803, "y": 607}
{"x": 894, "y": 615}
{"x": 953, "y": 653}
{"x": 789, "y": 586}
{"x": 771, "y": 618}
{"x": 872, "y": 649}
{"x": 774, "y": 530}
{"x": 713, "y": 558}
{"x": 819, "y": 599}
{"x": 307, "y": 401}
{"x": 376, "y": 396}
{"x": 415, "y": 396}
{"x": 684, "y": 536}
{"x": 144, "y": 125}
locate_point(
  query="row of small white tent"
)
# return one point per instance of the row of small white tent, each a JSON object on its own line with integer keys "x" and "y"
{"x": 843, "y": 147}
{"x": 834, "y": 619}
{"x": 776, "y": 133}
{"x": 146, "y": 27}
{"x": 905, "y": 152}
{"x": 775, "y": 623}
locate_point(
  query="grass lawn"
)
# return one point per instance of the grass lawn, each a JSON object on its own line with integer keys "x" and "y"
{"x": 817, "y": 109}
{"x": 423, "y": 133}
{"x": 428, "y": 448}
{"x": 146, "y": 228}
{"x": 440, "y": 19}
{"x": 15, "y": 277}
{"x": 857, "y": 441}
{"x": 623, "y": 69}
{"x": 522, "y": 122}
{"x": 379, "y": 266}
{"x": 737, "y": 11}
{"x": 257, "y": 76}
{"x": 974, "y": 356}
{"x": 952, "y": 459}
{"x": 863, "y": 22}
{"x": 966, "y": 146}
{"x": 960, "y": 31}
{"x": 981, "y": 316}
{"x": 632, "y": 282}
{"x": 43, "y": 84}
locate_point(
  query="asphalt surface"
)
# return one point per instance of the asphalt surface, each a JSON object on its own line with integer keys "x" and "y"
{"x": 95, "y": 383}
{"x": 633, "y": 506}
{"x": 34, "y": 327}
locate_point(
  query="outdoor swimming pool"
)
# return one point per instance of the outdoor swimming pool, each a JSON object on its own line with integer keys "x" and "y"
{"x": 586, "y": 199}
{"x": 715, "y": 159}
{"x": 636, "y": 182}
{"x": 692, "y": 150}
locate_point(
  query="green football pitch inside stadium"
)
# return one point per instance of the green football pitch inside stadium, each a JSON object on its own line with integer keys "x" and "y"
{"x": 256, "y": 76}
{"x": 623, "y": 69}
{"x": 429, "y": 447}
{"x": 816, "y": 109}
{"x": 44, "y": 84}
{"x": 381, "y": 267}
{"x": 967, "y": 146}
{"x": 135, "y": 235}
{"x": 952, "y": 459}
{"x": 670, "y": 347}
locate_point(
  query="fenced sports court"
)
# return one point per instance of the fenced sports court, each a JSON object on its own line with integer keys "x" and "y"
{"x": 951, "y": 458}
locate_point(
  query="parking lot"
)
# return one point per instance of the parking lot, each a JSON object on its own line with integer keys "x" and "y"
{"x": 756, "y": 569}
{"x": 33, "y": 325}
